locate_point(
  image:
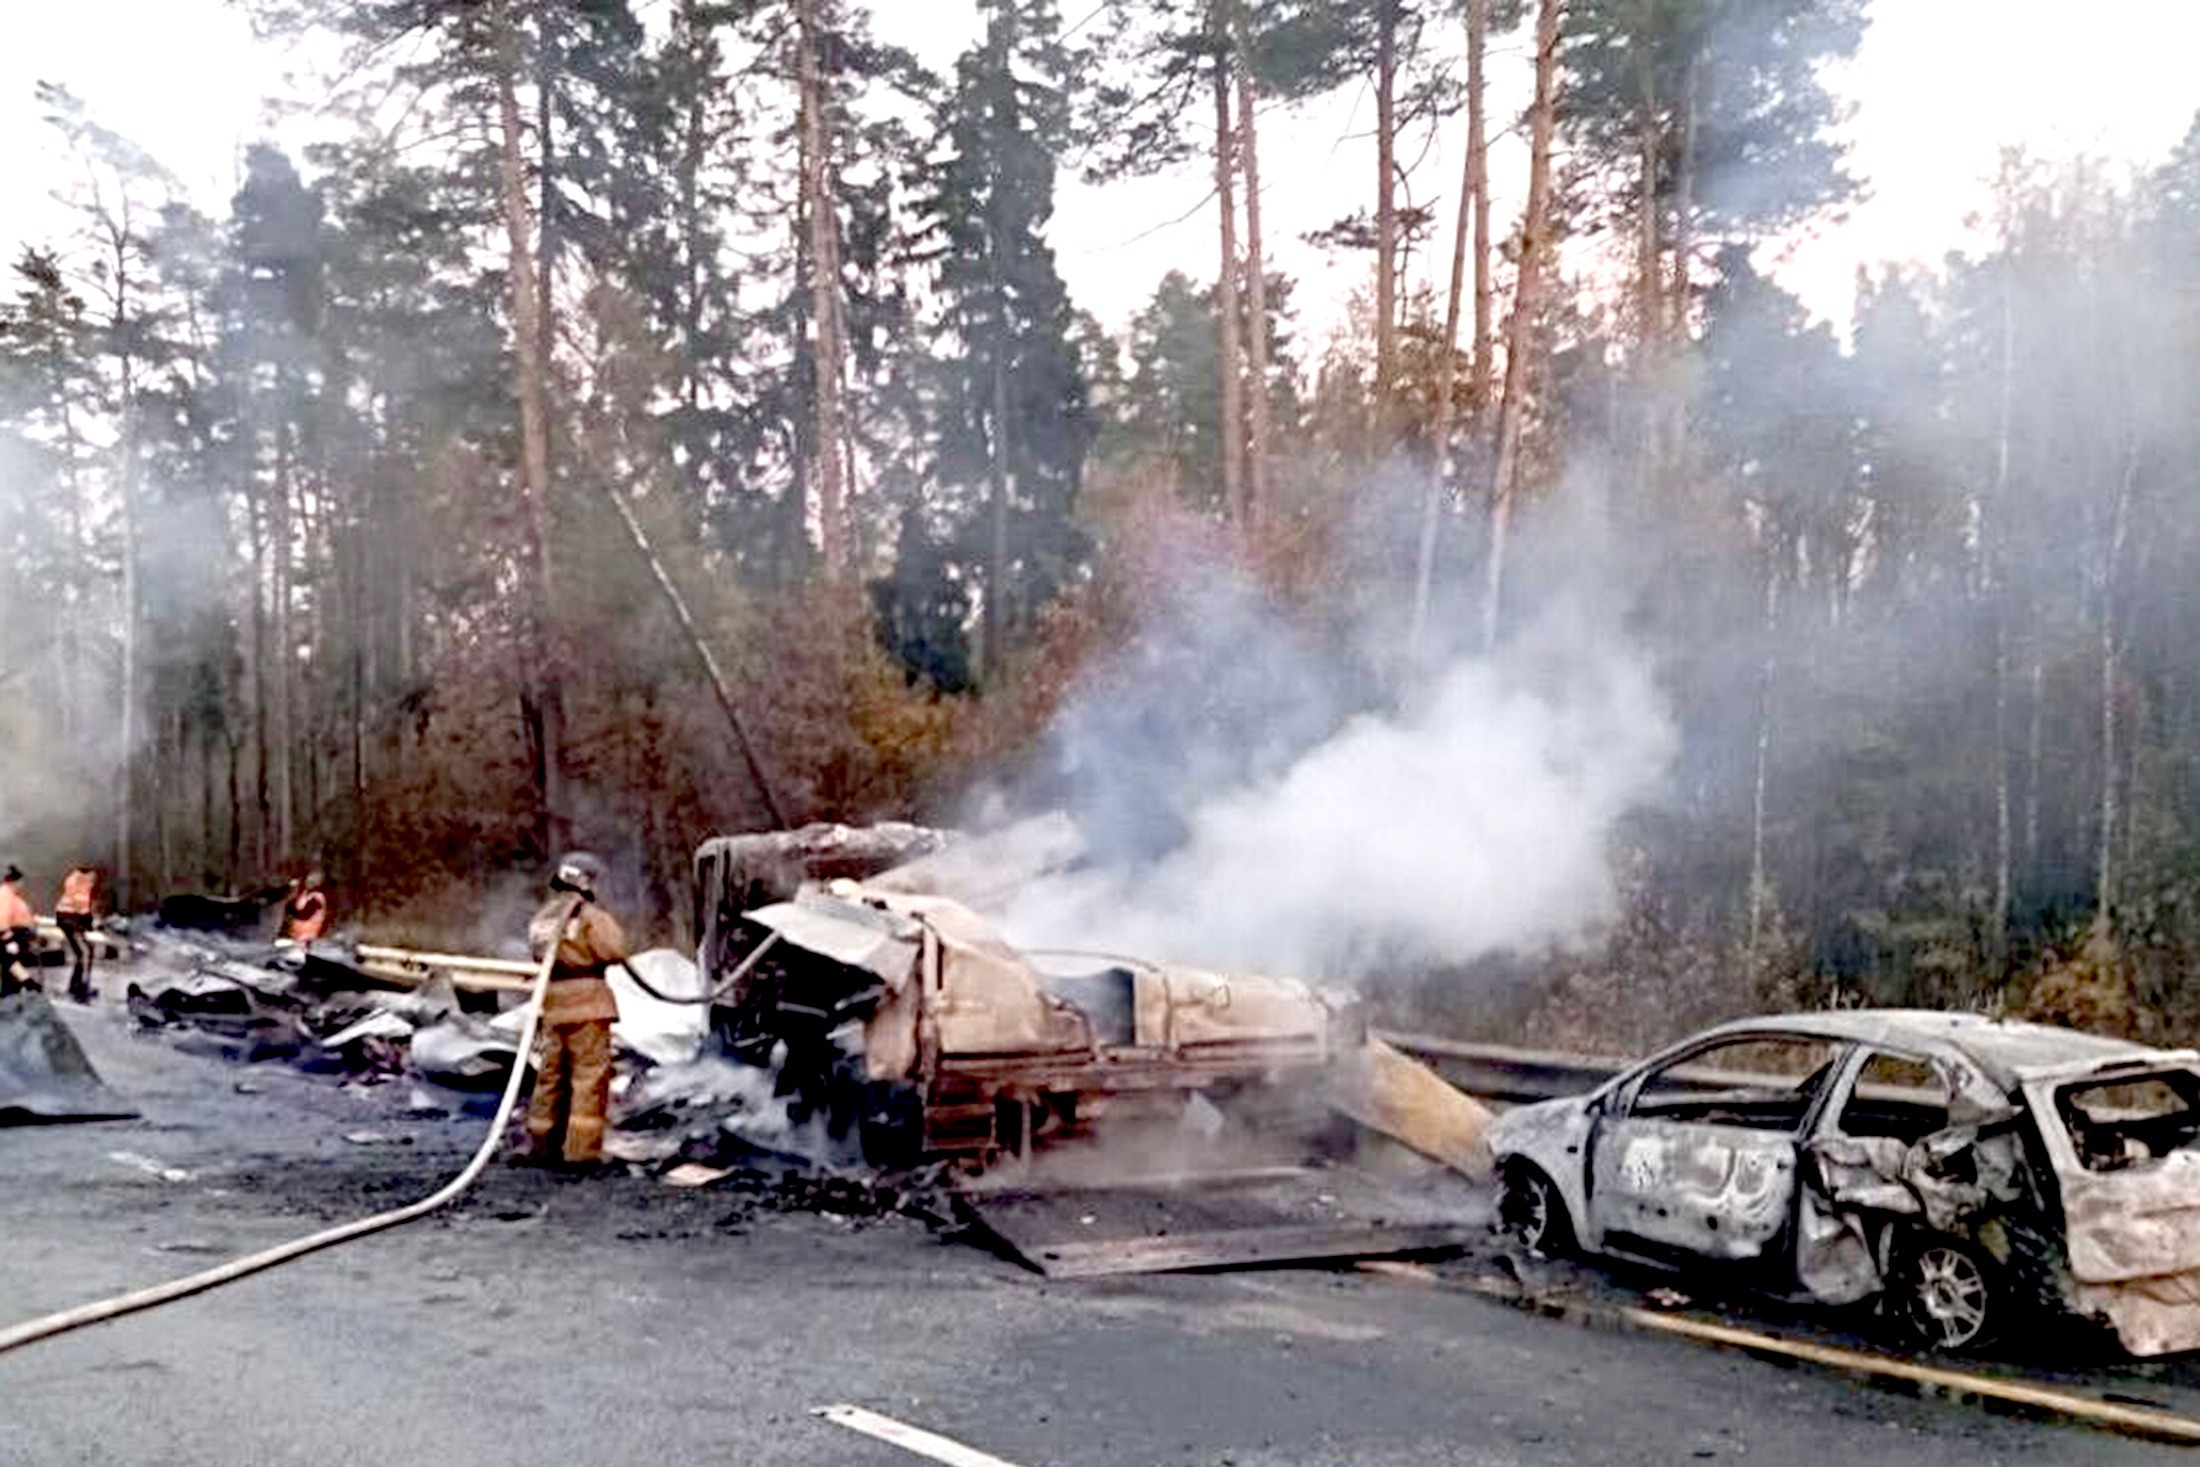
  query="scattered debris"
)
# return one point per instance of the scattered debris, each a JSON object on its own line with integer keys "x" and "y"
{"x": 148, "y": 1165}
{"x": 695, "y": 1174}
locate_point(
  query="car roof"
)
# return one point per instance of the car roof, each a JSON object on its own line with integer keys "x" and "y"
{"x": 2004, "y": 1049}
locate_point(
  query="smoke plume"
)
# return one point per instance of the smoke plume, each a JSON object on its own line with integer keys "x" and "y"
{"x": 1248, "y": 805}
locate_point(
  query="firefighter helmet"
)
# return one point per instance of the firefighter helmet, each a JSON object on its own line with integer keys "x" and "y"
{"x": 578, "y": 871}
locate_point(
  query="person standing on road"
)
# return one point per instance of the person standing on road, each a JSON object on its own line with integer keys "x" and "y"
{"x": 72, "y": 912}
{"x": 305, "y": 914}
{"x": 565, "y": 1115}
{"x": 18, "y": 934}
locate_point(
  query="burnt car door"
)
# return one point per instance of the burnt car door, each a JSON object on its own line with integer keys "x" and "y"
{"x": 2124, "y": 1143}
{"x": 1696, "y": 1156}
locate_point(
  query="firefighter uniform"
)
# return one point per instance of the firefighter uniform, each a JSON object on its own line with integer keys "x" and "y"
{"x": 565, "y": 1115}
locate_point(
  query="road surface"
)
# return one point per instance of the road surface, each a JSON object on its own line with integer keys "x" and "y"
{"x": 626, "y": 1321}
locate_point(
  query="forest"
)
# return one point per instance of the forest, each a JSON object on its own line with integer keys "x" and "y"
{"x": 343, "y": 526}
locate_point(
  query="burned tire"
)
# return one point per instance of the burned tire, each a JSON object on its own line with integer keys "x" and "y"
{"x": 1946, "y": 1294}
{"x": 1531, "y": 1213}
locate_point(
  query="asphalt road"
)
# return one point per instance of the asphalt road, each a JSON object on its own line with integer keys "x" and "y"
{"x": 623, "y": 1321}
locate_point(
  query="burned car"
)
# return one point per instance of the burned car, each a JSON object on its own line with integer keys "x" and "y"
{"x": 1955, "y": 1170}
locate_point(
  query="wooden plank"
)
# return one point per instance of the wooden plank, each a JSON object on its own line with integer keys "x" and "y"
{"x": 414, "y": 977}
{"x": 406, "y": 957}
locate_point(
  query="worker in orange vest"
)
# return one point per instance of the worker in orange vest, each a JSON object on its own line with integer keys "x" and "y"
{"x": 305, "y": 915}
{"x": 72, "y": 912}
{"x": 18, "y": 935}
{"x": 565, "y": 1115}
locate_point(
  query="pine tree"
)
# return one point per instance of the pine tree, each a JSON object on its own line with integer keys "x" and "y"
{"x": 1011, "y": 424}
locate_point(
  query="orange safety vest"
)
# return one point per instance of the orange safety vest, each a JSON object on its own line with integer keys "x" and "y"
{"x": 76, "y": 893}
{"x": 308, "y": 916}
{"x": 14, "y": 911}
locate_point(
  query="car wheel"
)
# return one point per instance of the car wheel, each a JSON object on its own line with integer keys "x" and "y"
{"x": 1946, "y": 1293}
{"x": 1531, "y": 1213}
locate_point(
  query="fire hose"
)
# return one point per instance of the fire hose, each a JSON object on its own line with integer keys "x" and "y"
{"x": 47, "y": 1326}
{"x": 725, "y": 987}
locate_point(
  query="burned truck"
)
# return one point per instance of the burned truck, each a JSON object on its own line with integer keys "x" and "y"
{"x": 910, "y": 1018}
{"x": 905, "y": 1019}
{"x": 1956, "y": 1171}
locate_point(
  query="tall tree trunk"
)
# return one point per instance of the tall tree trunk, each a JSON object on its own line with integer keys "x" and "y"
{"x": 1760, "y": 885}
{"x": 1232, "y": 363}
{"x": 1478, "y": 188}
{"x": 1386, "y": 214}
{"x": 257, "y": 662}
{"x": 1649, "y": 283}
{"x": 1997, "y": 588}
{"x": 1674, "y": 424}
{"x": 76, "y": 597}
{"x": 284, "y": 731}
{"x": 235, "y": 860}
{"x": 693, "y": 141}
{"x": 824, "y": 243}
{"x": 1535, "y": 228}
{"x": 995, "y": 627}
{"x": 360, "y": 625}
{"x": 548, "y": 237}
{"x": 2035, "y": 737}
{"x": 1257, "y": 426}
{"x": 2112, "y": 561}
{"x": 126, "y": 784}
{"x": 1447, "y": 369}
{"x": 544, "y": 655}
{"x": 1684, "y": 195}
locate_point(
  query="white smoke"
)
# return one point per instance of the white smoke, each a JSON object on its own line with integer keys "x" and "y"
{"x": 1477, "y": 817}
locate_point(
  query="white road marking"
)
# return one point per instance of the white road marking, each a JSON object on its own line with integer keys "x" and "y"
{"x": 908, "y": 1438}
{"x": 149, "y": 1166}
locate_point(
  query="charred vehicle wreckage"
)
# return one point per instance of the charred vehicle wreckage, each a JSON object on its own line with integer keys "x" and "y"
{"x": 910, "y": 1019}
{"x": 854, "y": 1014}
{"x": 902, "y": 1015}
{"x": 1956, "y": 1171}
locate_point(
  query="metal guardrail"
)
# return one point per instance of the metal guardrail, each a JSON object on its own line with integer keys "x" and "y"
{"x": 1503, "y": 1072}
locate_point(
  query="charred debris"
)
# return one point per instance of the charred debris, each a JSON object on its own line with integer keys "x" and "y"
{"x": 858, "y": 1037}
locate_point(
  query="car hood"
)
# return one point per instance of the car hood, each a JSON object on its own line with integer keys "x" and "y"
{"x": 1521, "y": 1128}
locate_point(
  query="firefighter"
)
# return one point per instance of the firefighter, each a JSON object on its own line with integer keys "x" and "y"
{"x": 72, "y": 912}
{"x": 18, "y": 935}
{"x": 565, "y": 1115}
{"x": 305, "y": 914}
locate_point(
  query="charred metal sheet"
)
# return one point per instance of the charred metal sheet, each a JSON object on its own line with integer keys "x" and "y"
{"x": 1221, "y": 1222}
{"x": 846, "y": 933}
{"x": 1242, "y": 1248}
{"x": 44, "y": 1075}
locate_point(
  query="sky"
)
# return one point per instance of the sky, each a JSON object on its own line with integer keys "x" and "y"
{"x": 1938, "y": 88}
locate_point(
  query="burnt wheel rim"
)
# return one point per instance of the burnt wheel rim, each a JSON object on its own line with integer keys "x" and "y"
{"x": 1528, "y": 1210}
{"x": 1950, "y": 1294}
